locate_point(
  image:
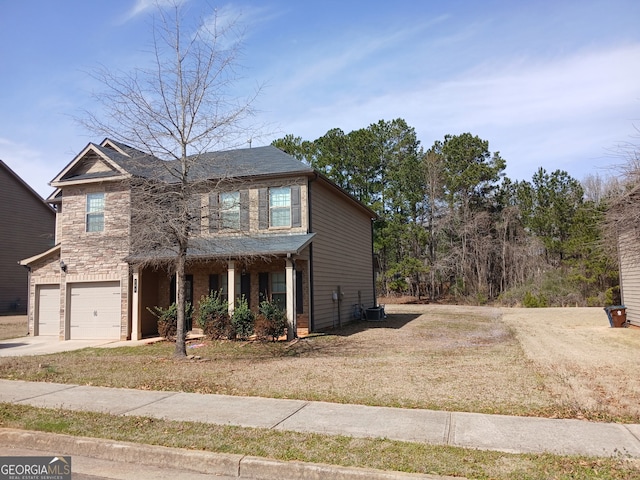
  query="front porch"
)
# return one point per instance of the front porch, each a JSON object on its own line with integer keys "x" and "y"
{"x": 283, "y": 280}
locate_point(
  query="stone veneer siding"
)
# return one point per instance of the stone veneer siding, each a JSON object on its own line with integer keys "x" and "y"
{"x": 90, "y": 256}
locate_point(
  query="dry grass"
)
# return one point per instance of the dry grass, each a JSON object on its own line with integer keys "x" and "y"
{"x": 13, "y": 326}
{"x": 515, "y": 361}
{"x": 456, "y": 360}
{"x": 378, "y": 453}
{"x": 590, "y": 369}
{"x": 554, "y": 362}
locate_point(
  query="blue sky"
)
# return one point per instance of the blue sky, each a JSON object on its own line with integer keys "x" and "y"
{"x": 550, "y": 84}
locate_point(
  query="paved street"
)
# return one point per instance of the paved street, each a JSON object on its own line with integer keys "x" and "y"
{"x": 88, "y": 468}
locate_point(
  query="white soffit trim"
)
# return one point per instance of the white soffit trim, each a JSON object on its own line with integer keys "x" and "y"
{"x": 35, "y": 258}
{"x": 57, "y": 181}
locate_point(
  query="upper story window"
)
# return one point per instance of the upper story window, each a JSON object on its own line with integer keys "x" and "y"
{"x": 95, "y": 212}
{"x": 280, "y": 207}
{"x": 230, "y": 210}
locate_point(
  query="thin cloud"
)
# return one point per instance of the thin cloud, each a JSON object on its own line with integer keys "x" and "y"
{"x": 250, "y": 16}
{"x": 359, "y": 56}
{"x": 564, "y": 111}
{"x": 141, "y": 7}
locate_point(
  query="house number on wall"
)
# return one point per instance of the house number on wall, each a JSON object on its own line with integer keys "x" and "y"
{"x": 95, "y": 313}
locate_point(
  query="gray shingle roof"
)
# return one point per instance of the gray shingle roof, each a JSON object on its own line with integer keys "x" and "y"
{"x": 243, "y": 162}
{"x": 246, "y": 246}
{"x": 241, "y": 246}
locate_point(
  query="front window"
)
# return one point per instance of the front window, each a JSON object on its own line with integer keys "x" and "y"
{"x": 222, "y": 286}
{"x": 230, "y": 210}
{"x": 280, "y": 207}
{"x": 95, "y": 212}
{"x": 279, "y": 289}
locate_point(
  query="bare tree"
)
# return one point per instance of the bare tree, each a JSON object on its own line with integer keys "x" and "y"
{"x": 623, "y": 195}
{"x": 434, "y": 194}
{"x": 175, "y": 110}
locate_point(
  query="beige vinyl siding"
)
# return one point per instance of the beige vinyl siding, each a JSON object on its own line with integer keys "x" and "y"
{"x": 342, "y": 255}
{"x": 27, "y": 227}
{"x": 629, "y": 248}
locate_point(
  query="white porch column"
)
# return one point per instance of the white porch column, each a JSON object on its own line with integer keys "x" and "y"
{"x": 231, "y": 285}
{"x": 136, "y": 326}
{"x": 291, "y": 299}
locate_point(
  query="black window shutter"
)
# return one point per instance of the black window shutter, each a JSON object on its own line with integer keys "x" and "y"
{"x": 172, "y": 289}
{"x": 296, "y": 210}
{"x": 263, "y": 286}
{"x": 244, "y": 210}
{"x": 214, "y": 283}
{"x": 214, "y": 213}
{"x": 195, "y": 208}
{"x": 263, "y": 209}
{"x": 299, "y": 295}
{"x": 245, "y": 287}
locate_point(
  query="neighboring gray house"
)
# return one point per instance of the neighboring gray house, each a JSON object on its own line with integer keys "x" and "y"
{"x": 275, "y": 228}
{"x": 27, "y": 226}
{"x": 629, "y": 257}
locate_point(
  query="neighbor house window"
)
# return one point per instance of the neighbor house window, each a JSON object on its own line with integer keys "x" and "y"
{"x": 95, "y": 212}
{"x": 280, "y": 207}
{"x": 230, "y": 210}
{"x": 279, "y": 289}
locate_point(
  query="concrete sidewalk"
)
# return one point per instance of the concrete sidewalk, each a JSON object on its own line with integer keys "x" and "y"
{"x": 45, "y": 345}
{"x": 468, "y": 430}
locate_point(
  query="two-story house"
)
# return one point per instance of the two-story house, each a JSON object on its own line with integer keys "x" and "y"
{"x": 26, "y": 227}
{"x": 270, "y": 227}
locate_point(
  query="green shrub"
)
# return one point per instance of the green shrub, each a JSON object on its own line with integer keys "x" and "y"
{"x": 481, "y": 298}
{"x": 243, "y": 320}
{"x": 271, "y": 322}
{"x": 593, "y": 302}
{"x": 213, "y": 316}
{"x": 534, "y": 301}
{"x": 612, "y": 296}
{"x": 168, "y": 319}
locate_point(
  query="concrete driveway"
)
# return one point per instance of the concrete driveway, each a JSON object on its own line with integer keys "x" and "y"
{"x": 43, "y": 345}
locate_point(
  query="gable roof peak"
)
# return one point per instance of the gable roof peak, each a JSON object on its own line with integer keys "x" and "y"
{"x": 93, "y": 162}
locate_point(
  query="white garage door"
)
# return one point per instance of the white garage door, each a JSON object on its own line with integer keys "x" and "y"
{"x": 94, "y": 310}
{"x": 48, "y": 310}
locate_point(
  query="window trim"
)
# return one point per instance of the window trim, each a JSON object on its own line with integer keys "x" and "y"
{"x": 280, "y": 208}
{"x": 278, "y": 296}
{"x": 234, "y": 208}
{"x": 92, "y": 214}
{"x": 217, "y": 212}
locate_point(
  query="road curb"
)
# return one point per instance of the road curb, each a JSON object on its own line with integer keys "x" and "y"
{"x": 232, "y": 465}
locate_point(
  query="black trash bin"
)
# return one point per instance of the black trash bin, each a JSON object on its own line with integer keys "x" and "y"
{"x": 617, "y": 315}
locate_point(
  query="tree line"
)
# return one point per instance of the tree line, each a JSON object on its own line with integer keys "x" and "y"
{"x": 451, "y": 225}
